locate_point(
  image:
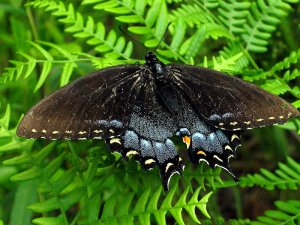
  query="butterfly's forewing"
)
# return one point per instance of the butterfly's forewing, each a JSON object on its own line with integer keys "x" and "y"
{"x": 94, "y": 106}
{"x": 228, "y": 102}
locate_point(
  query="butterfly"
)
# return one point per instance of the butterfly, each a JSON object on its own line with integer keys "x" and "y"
{"x": 137, "y": 108}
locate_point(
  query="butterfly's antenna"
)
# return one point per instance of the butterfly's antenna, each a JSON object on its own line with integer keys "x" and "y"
{"x": 154, "y": 50}
{"x": 132, "y": 38}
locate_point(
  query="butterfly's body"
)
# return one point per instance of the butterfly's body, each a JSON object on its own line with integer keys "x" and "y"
{"x": 138, "y": 108}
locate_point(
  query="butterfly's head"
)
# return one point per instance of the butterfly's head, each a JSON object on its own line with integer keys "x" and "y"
{"x": 156, "y": 66}
{"x": 150, "y": 58}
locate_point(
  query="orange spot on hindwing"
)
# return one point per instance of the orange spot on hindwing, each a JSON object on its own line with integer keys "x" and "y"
{"x": 187, "y": 141}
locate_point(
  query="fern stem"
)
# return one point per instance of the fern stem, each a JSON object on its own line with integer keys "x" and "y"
{"x": 238, "y": 202}
{"x": 32, "y": 24}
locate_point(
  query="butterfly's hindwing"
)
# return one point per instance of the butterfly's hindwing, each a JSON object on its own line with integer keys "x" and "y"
{"x": 205, "y": 142}
{"x": 149, "y": 153}
{"x": 215, "y": 148}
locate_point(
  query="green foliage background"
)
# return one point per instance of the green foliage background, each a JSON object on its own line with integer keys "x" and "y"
{"x": 46, "y": 44}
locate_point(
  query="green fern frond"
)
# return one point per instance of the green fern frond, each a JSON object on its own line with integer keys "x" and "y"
{"x": 155, "y": 19}
{"x": 276, "y": 86}
{"x": 44, "y": 59}
{"x": 68, "y": 66}
{"x": 203, "y": 175}
{"x": 291, "y": 75}
{"x": 287, "y": 176}
{"x": 262, "y": 21}
{"x": 146, "y": 18}
{"x": 231, "y": 49}
{"x": 280, "y": 66}
{"x": 47, "y": 60}
{"x": 111, "y": 45}
{"x": 56, "y": 184}
{"x": 190, "y": 48}
{"x": 46, "y": 67}
{"x": 222, "y": 64}
{"x": 191, "y": 14}
{"x": 286, "y": 213}
{"x": 49, "y": 220}
{"x": 147, "y": 205}
{"x": 233, "y": 15}
{"x": 286, "y": 63}
{"x": 279, "y": 85}
{"x": 19, "y": 68}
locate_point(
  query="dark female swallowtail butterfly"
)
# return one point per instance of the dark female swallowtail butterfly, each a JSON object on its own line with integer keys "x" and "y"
{"x": 137, "y": 108}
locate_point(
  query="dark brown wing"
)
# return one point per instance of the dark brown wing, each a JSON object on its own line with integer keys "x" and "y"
{"x": 228, "y": 102}
{"x": 118, "y": 104}
{"x": 95, "y": 106}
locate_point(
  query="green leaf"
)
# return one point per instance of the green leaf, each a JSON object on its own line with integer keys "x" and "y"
{"x": 93, "y": 207}
{"x": 45, "y": 71}
{"x": 43, "y": 51}
{"x": 49, "y": 220}
{"x": 140, "y": 206}
{"x": 286, "y": 213}
{"x": 153, "y": 13}
{"x": 196, "y": 42}
{"x": 65, "y": 179}
{"x": 151, "y": 43}
{"x": 45, "y": 206}
{"x": 285, "y": 177}
{"x": 162, "y": 21}
{"x": 28, "y": 174}
{"x": 67, "y": 72}
{"x": 139, "y": 30}
{"x": 129, "y": 19}
{"x": 30, "y": 64}
{"x": 26, "y": 194}
{"x": 72, "y": 197}
{"x": 179, "y": 32}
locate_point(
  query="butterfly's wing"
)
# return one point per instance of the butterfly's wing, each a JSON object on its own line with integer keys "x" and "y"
{"x": 96, "y": 106}
{"x": 228, "y": 102}
{"x": 118, "y": 104}
{"x": 215, "y": 107}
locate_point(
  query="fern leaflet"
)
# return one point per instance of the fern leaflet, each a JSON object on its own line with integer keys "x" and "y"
{"x": 286, "y": 213}
{"x": 285, "y": 177}
{"x": 112, "y": 46}
{"x": 262, "y": 20}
